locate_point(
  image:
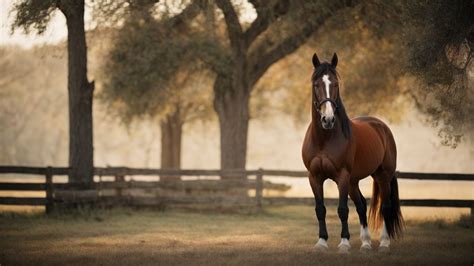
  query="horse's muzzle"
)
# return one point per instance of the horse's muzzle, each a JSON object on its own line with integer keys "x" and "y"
{"x": 328, "y": 123}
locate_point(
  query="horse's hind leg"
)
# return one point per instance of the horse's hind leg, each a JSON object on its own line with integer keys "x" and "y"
{"x": 320, "y": 209}
{"x": 382, "y": 179}
{"x": 361, "y": 207}
{"x": 384, "y": 188}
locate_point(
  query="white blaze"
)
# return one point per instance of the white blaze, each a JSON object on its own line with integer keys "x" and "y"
{"x": 328, "y": 111}
{"x": 327, "y": 82}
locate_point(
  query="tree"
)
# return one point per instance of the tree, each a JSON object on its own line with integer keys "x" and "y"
{"x": 439, "y": 37}
{"x": 36, "y": 14}
{"x": 280, "y": 28}
{"x": 189, "y": 102}
{"x": 135, "y": 86}
{"x": 435, "y": 47}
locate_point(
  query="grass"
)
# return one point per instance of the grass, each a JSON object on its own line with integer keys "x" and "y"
{"x": 279, "y": 236}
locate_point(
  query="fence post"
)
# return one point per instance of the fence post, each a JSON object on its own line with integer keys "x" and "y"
{"x": 259, "y": 189}
{"x": 118, "y": 192}
{"x": 99, "y": 192}
{"x": 49, "y": 189}
{"x": 129, "y": 189}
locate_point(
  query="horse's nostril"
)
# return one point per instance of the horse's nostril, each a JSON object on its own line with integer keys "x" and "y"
{"x": 333, "y": 119}
{"x": 323, "y": 119}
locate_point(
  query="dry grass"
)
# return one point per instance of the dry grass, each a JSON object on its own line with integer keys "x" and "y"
{"x": 280, "y": 236}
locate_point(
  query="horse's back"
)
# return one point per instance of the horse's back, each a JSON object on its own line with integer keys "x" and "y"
{"x": 375, "y": 146}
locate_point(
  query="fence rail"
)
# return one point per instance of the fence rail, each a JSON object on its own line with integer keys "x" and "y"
{"x": 114, "y": 171}
{"x": 71, "y": 192}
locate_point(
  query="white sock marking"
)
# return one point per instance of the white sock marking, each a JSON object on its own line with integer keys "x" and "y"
{"x": 322, "y": 242}
{"x": 365, "y": 237}
{"x": 344, "y": 242}
{"x": 384, "y": 238}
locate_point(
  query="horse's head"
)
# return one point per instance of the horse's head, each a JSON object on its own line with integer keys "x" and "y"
{"x": 325, "y": 86}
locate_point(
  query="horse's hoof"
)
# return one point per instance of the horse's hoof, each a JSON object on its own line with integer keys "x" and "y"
{"x": 344, "y": 247}
{"x": 365, "y": 247}
{"x": 384, "y": 249}
{"x": 321, "y": 246}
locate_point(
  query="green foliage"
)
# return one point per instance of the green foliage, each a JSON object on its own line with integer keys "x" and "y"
{"x": 33, "y": 14}
{"x": 435, "y": 46}
{"x": 152, "y": 69}
{"x": 430, "y": 28}
{"x": 440, "y": 45}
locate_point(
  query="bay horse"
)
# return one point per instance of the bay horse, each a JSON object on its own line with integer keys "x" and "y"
{"x": 346, "y": 151}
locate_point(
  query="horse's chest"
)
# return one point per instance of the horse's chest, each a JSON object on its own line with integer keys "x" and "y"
{"x": 325, "y": 166}
{"x": 326, "y": 160}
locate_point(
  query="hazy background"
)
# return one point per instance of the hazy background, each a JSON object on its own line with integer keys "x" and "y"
{"x": 33, "y": 125}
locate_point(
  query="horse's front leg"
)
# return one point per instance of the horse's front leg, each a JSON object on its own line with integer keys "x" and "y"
{"x": 343, "y": 211}
{"x": 317, "y": 187}
{"x": 361, "y": 207}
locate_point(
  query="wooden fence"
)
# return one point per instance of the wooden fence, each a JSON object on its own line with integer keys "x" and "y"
{"x": 57, "y": 193}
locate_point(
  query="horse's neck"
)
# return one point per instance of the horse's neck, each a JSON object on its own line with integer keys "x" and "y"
{"x": 323, "y": 136}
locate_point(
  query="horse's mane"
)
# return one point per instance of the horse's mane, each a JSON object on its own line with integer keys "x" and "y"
{"x": 340, "y": 111}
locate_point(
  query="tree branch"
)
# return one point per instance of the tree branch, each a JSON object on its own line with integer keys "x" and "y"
{"x": 212, "y": 53}
{"x": 33, "y": 15}
{"x": 265, "y": 16}
{"x": 234, "y": 28}
{"x": 286, "y": 47}
{"x": 70, "y": 7}
{"x": 189, "y": 13}
{"x": 261, "y": 61}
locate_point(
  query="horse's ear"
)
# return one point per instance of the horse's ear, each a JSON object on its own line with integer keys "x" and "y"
{"x": 316, "y": 62}
{"x": 334, "y": 60}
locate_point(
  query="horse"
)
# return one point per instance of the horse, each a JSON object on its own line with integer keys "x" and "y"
{"x": 347, "y": 151}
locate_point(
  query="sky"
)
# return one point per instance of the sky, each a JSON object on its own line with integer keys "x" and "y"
{"x": 57, "y": 31}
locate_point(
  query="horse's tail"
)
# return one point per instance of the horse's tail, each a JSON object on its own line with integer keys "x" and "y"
{"x": 391, "y": 213}
{"x": 375, "y": 215}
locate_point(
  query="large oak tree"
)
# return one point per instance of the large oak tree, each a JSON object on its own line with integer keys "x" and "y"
{"x": 31, "y": 14}
{"x": 280, "y": 28}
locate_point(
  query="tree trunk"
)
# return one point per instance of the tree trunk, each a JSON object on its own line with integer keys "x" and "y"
{"x": 232, "y": 107}
{"x": 80, "y": 95}
{"x": 171, "y": 134}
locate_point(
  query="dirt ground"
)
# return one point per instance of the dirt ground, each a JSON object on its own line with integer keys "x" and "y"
{"x": 279, "y": 236}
